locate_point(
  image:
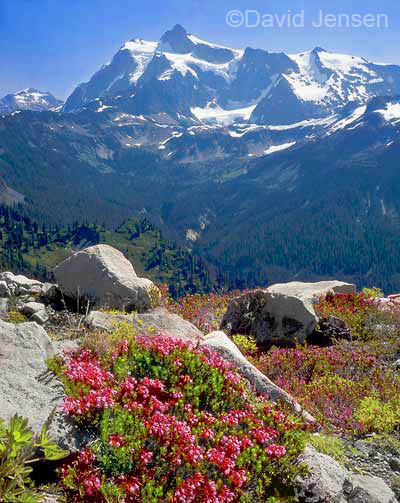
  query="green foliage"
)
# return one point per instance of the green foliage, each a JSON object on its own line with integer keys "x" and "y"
{"x": 373, "y": 293}
{"x": 375, "y": 415}
{"x": 330, "y": 445}
{"x": 246, "y": 343}
{"x": 34, "y": 249}
{"x": 19, "y": 448}
{"x": 16, "y": 317}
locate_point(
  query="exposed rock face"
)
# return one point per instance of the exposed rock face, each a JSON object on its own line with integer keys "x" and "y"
{"x": 328, "y": 330}
{"x": 102, "y": 273}
{"x": 369, "y": 489}
{"x": 4, "y": 290}
{"x": 159, "y": 320}
{"x": 282, "y": 314}
{"x": 220, "y": 342}
{"x": 329, "y": 482}
{"x": 311, "y": 292}
{"x": 20, "y": 285}
{"x": 27, "y": 387}
{"x": 31, "y": 308}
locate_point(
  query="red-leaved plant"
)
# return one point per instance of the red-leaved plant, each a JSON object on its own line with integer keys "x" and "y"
{"x": 175, "y": 424}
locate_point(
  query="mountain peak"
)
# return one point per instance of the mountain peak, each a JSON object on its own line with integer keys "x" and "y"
{"x": 318, "y": 49}
{"x": 28, "y": 99}
{"x": 176, "y": 40}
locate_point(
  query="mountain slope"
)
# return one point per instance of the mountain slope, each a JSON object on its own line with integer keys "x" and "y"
{"x": 28, "y": 99}
{"x": 183, "y": 79}
{"x": 251, "y": 159}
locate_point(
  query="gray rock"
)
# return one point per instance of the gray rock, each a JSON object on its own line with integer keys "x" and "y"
{"x": 103, "y": 274}
{"x": 220, "y": 342}
{"x": 3, "y": 309}
{"x": 41, "y": 317}
{"x": 32, "y": 307}
{"x": 326, "y": 480}
{"x": 20, "y": 285}
{"x": 158, "y": 320}
{"x": 329, "y": 482}
{"x": 370, "y": 489}
{"x": 282, "y": 314}
{"x": 66, "y": 345}
{"x": 51, "y": 292}
{"x": 26, "y": 385}
{"x": 312, "y": 292}
{"x": 4, "y": 290}
{"x": 394, "y": 464}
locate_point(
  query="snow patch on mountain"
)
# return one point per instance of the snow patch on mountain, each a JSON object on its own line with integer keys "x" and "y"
{"x": 28, "y": 99}
{"x": 277, "y": 148}
{"x": 142, "y": 52}
{"x": 187, "y": 63}
{"x": 213, "y": 113}
{"x": 391, "y": 113}
{"x": 343, "y": 123}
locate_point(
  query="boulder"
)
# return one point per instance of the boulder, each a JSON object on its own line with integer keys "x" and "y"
{"x": 102, "y": 274}
{"x": 41, "y": 317}
{"x": 312, "y": 292}
{"x": 31, "y": 308}
{"x": 51, "y": 293}
{"x": 220, "y": 342}
{"x": 370, "y": 489}
{"x": 327, "y": 481}
{"x": 28, "y": 388}
{"x": 329, "y": 329}
{"x": 158, "y": 320}
{"x": 3, "y": 309}
{"x": 4, "y": 290}
{"x": 282, "y": 314}
{"x": 20, "y": 285}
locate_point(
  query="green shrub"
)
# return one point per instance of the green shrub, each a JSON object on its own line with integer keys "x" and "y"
{"x": 16, "y": 317}
{"x": 373, "y": 293}
{"x": 330, "y": 445}
{"x": 19, "y": 448}
{"x": 246, "y": 343}
{"x": 374, "y": 415}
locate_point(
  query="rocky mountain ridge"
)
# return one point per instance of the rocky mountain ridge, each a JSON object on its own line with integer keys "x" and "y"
{"x": 29, "y": 99}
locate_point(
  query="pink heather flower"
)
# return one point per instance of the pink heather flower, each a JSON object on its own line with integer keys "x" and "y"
{"x": 145, "y": 456}
{"x": 239, "y": 478}
{"x": 275, "y": 451}
{"x": 116, "y": 440}
{"x": 92, "y": 485}
{"x": 207, "y": 433}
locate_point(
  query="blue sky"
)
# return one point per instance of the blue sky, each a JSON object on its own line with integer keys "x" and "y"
{"x": 55, "y": 44}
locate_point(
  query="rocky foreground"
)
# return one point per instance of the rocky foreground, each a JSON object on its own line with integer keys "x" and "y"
{"x": 97, "y": 289}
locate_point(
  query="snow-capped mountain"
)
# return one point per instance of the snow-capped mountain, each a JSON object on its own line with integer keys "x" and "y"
{"x": 28, "y": 99}
{"x": 190, "y": 81}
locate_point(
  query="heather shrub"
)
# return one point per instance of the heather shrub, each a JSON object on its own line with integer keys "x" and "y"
{"x": 205, "y": 311}
{"x": 358, "y": 311}
{"x": 19, "y": 448}
{"x": 174, "y": 423}
{"x": 336, "y": 384}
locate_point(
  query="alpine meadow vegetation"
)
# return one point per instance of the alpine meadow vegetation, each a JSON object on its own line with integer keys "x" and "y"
{"x": 174, "y": 423}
